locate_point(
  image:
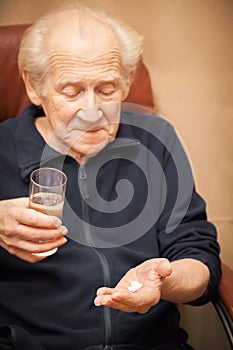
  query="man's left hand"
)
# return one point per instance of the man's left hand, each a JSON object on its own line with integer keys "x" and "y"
{"x": 150, "y": 274}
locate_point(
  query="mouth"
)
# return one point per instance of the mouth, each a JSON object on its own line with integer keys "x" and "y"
{"x": 108, "y": 128}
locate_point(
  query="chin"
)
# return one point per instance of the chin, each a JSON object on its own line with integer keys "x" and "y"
{"x": 81, "y": 154}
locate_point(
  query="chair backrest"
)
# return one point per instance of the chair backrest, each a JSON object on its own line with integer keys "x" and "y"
{"x": 12, "y": 92}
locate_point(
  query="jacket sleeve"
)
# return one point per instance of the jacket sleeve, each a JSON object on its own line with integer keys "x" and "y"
{"x": 183, "y": 228}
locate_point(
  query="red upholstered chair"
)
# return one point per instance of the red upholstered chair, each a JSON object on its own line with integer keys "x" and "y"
{"x": 13, "y": 98}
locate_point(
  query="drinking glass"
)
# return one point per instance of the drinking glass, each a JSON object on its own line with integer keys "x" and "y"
{"x": 47, "y": 194}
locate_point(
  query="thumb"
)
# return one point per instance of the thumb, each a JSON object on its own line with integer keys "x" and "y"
{"x": 21, "y": 202}
{"x": 164, "y": 268}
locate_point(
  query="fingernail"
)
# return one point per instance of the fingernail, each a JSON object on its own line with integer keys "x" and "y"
{"x": 55, "y": 220}
{"x": 97, "y": 302}
{"x": 63, "y": 230}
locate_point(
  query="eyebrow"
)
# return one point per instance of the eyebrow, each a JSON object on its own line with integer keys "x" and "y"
{"x": 74, "y": 81}
{"x": 109, "y": 80}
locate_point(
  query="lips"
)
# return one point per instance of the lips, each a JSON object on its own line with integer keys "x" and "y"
{"x": 109, "y": 128}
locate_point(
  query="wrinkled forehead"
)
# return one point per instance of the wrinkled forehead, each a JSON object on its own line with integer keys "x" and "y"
{"x": 88, "y": 49}
{"x": 107, "y": 63}
{"x": 83, "y": 37}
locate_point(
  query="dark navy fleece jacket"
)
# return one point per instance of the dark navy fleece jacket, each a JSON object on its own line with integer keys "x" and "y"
{"x": 124, "y": 206}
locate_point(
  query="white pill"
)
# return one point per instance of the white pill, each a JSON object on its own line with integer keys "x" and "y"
{"x": 134, "y": 286}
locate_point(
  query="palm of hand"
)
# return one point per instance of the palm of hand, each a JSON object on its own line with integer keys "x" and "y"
{"x": 148, "y": 273}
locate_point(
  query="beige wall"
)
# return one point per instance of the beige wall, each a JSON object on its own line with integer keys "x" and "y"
{"x": 189, "y": 52}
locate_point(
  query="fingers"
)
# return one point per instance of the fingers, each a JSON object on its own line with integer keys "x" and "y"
{"x": 124, "y": 301}
{"x": 34, "y": 218}
{"x": 111, "y": 297}
{"x": 24, "y": 231}
{"x": 106, "y": 296}
{"x": 38, "y": 234}
{"x": 22, "y": 254}
{"x": 30, "y": 225}
{"x": 103, "y": 296}
{"x": 41, "y": 247}
{"x": 30, "y": 246}
{"x": 104, "y": 291}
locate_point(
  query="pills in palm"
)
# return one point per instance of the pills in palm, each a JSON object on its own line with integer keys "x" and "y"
{"x": 134, "y": 286}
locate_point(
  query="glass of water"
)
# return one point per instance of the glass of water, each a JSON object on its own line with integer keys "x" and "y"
{"x": 47, "y": 194}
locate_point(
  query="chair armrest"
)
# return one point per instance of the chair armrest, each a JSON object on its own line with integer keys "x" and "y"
{"x": 224, "y": 302}
{"x": 226, "y": 289}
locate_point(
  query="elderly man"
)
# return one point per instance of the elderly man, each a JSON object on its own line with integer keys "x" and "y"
{"x": 132, "y": 242}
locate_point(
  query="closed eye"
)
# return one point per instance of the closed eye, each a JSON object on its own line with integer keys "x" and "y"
{"x": 106, "y": 89}
{"x": 71, "y": 91}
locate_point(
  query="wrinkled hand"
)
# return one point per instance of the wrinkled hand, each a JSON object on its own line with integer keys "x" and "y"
{"x": 24, "y": 231}
{"x": 151, "y": 274}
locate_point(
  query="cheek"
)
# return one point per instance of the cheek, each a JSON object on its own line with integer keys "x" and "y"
{"x": 54, "y": 104}
{"x": 58, "y": 110}
{"x": 112, "y": 111}
{"x": 118, "y": 96}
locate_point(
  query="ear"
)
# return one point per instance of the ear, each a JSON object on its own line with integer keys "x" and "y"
{"x": 128, "y": 84}
{"x": 31, "y": 91}
{"x": 125, "y": 92}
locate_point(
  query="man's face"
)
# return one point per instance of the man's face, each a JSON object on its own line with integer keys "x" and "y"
{"x": 82, "y": 94}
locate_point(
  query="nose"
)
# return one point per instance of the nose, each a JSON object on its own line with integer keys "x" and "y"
{"x": 89, "y": 99}
{"x": 89, "y": 107}
{"x": 92, "y": 115}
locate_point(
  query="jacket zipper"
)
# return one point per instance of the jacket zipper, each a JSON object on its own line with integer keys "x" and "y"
{"x": 106, "y": 310}
{"x": 102, "y": 258}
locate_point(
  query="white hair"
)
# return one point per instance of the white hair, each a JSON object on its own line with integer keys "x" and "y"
{"x": 32, "y": 55}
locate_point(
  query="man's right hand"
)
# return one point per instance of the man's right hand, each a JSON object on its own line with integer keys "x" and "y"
{"x": 24, "y": 231}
